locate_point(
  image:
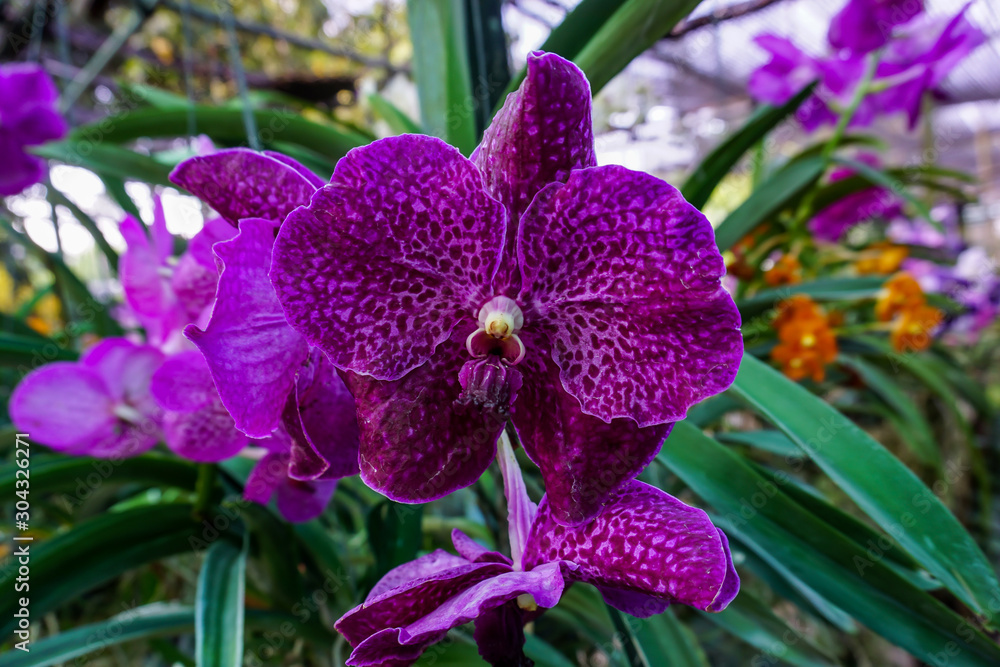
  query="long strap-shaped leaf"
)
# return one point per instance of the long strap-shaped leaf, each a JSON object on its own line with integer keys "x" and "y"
{"x": 147, "y": 622}
{"x": 776, "y": 193}
{"x": 707, "y": 175}
{"x": 635, "y": 27}
{"x": 876, "y": 480}
{"x": 758, "y": 512}
{"x": 441, "y": 66}
{"x": 219, "y": 604}
{"x": 96, "y": 551}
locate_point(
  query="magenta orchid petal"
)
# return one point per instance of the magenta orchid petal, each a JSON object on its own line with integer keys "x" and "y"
{"x": 28, "y": 117}
{"x": 241, "y": 183}
{"x": 397, "y": 250}
{"x": 206, "y": 435}
{"x": 183, "y": 383}
{"x": 304, "y": 501}
{"x": 634, "y": 306}
{"x": 644, "y": 542}
{"x": 425, "y": 585}
{"x": 545, "y": 583}
{"x": 64, "y": 406}
{"x": 201, "y": 246}
{"x": 100, "y": 406}
{"x": 163, "y": 240}
{"x": 417, "y": 444}
{"x": 127, "y": 369}
{"x": 252, "y": 352}
{"x": 326, "y": 418}
{"x": 583, "y": 459}
{"x": 865, "y": 25}
{"x": 266, "y": 477}
{"x": 196, "y": 424}
{"x": 140, "y": 271}
{"x": 521, "y": 511}
{"x": 306, "y": 173}
{"x": 541, "y": 134}
{"x": 473, "y": 551}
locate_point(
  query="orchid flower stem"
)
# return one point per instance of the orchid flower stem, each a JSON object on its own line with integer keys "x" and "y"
{"x": 203, "y": 487}
{"x": 846, "y": 116}
{"x": 860, "y": 93}
{"x": 520, "y": 510}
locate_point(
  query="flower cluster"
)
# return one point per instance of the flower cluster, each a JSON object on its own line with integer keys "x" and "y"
{"x": 28, "y": 117}
{"x": 806, "y": 342}
{"x": 908, "y": 52}
{"x": 526, "y": 284}
{"x": 663, "y": 552}
{"x": 903, "y": 302}
{"x": 126, "y": 394}
{"x": 397, "y": 320}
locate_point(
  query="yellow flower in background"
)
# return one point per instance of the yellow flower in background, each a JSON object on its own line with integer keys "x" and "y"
{"x": 7, "y": 302}
{"x": 881, "y": 258}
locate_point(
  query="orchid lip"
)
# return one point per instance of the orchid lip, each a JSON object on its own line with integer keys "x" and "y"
{"x": 500, "y": 319}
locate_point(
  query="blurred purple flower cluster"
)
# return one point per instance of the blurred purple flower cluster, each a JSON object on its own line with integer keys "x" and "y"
{"x": 911, "y": 53}
{"x": 28, "y": 117}
{"x": 126, "y": 394}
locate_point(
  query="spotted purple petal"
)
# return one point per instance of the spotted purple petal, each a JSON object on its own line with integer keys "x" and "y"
{"x": 543, "y": 132}
{"x": 624, "y": 277}
{"x": 405, "y": 642}
{"x": 65, "y": 406}
{"x": 196, "y": 424}
{"x": 423, "y": 586}
{"x": 417, "y": 443}
{"x": 306, "y": 173}
{"x": 252, "y": 352}
{"x": 206, "y": 435}
{"x": 644, "y": 542}
{"x": 473, "y": 551}
{"x": 583, "y": 459}
{"x": 396, "y": 251}
{"x": 183, "y": 383}
{"x": 240, "y": 183}
{"x": 325, "y": 422}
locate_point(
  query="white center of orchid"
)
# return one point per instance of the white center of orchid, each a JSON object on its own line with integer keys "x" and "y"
{"x": 500, "y": 319}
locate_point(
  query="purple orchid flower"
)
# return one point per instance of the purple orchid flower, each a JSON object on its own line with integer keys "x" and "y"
{"x": 196, "y": 425}
{"x": 874, "y": 203}
{"x": 268, "y": 378}
{"x": 163, "y": 293}
{"x": 646, "y": 551}
{"x": 28, "y": 117}
{"x": 971, "y": 282}
{"x": 919, "y": 52}
{"x": 99, "y": 406}
{"x": 865, "y": 25}
{"x": 582, "y": 302}
{"x": 297, "y": 500}
{"x": 919, "y": 59}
